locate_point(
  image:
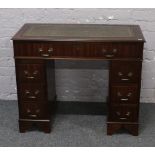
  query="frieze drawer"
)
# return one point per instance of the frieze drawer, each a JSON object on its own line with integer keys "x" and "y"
{"x": 78, "y": 50}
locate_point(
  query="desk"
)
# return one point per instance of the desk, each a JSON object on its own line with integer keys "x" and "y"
{"x": 37, "y": 44}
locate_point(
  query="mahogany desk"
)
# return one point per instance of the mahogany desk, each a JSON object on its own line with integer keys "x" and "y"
{"x": 36, "y": 44}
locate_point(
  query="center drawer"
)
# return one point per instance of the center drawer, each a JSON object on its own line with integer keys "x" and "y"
{"x": 104, "y": 50}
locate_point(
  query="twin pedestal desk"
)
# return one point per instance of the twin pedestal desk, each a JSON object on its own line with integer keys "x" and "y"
{"x": 35, "y": 45}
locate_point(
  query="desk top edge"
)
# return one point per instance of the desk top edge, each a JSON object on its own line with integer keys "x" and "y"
{"x": 136, "y": 29}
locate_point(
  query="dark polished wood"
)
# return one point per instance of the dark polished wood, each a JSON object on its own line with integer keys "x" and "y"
{"x": 36, "y": 46}
{"x": 126, "y": 94}
{"x": 31, "y": 73}
{"x": 123, "y": 114}
{"x": 132, "y": 128}
{"x": 125, "y": 72}
{"x": 78, "y": 50}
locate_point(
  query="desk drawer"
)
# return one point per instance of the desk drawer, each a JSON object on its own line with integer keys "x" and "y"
{"x": 124, "y": 94}
{"x": 31, "y": 73}
{"x": 29, "y": 49}
{"x": 78, "y": 50}
{"x": 123, "y": 114}
{"x": 32, "y": 92}
{"x": 97, "y": 50}
{"x": 33, "y": 110}
{"x": 125, "y": 71}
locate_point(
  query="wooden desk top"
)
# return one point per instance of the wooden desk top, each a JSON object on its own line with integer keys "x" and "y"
{"x": 79, "y": 32}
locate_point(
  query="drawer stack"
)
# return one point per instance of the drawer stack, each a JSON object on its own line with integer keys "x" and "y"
{"x": 32, "y": 95}
{"x": 124, "y": 92}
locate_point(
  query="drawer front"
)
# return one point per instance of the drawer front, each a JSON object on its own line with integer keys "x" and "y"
{"x": 124, "y": 94}
{"x": 78, "y": 50}
{"x": 32, "y": 92}
{"x": 33, "y": 110}
{"x": 29, "y": 49}
{"x": 96, "y": 50}
{"x": 30, "y": 73}
{"x": 123, "y": 114}
{"x": 125, "y": 72}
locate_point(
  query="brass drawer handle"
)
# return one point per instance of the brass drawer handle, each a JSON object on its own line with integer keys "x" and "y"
{"x": 128, "y": 113}
{"x": 49, "y": 51}
{"x": 45, "y": 55}
{"x": 27, "y": 75}
{"x": 124, "y": 99}
{"x": 35, "y": 72}
{"x": 34, "y": 116}
{"x": 123, "y": 118}
{"x": 32, "y": 97}
{"x": 130, "y": 74}
{"x": 120, "y": 73}
{"x": 129, "y": 94}
{"x": 40, "y": 50}
{"x": 110, "y": 54}
{"x": 27, "y": 92}
{"x": 30, "y": 77}
{"x": 123, "y": 79}
{"x": 26, "y": 72}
